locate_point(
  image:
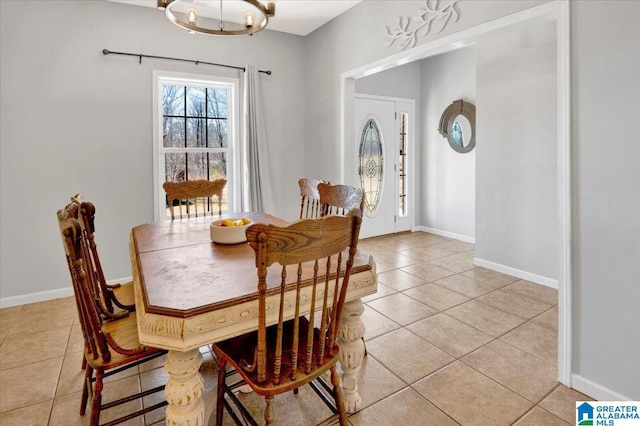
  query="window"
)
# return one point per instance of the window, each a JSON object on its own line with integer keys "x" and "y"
{"x": 195, "y": 133}
{"x": 402, "y": 167}
{"x": 370, "y": 164}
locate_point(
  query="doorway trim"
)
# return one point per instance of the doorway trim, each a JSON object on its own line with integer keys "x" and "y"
{"x": 558, "y": 11}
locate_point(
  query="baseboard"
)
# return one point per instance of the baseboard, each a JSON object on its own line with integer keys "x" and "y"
{"x": 523, "y": 275}
{"x": 43, "y": 296}
{"x": 447, "y": 234}
{"x": 595, "y": 390}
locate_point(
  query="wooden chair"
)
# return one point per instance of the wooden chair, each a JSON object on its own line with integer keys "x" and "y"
{"x": 109, "y": 346}
{"x": 309, "y": 198}
{"x": 196, "y": 191}
{"x": 339, "y": 199}
{"x": 287, "y": 351}
{"x": 120, "y": 295}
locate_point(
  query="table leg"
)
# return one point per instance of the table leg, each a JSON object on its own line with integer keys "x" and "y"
{"x": 351, "y": 352}
{"x": 184, "y": 389}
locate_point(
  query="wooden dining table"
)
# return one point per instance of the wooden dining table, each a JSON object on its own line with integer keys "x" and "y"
{"x": 191, "y": 292}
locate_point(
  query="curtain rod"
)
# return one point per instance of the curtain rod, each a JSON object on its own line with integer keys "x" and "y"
{"x": 140, "y": 56}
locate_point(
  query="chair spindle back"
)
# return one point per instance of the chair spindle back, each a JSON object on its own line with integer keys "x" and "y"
{"x": 314, "y": 252}
{"x": 78, "y": 253}
{"x": 85, "y": 212}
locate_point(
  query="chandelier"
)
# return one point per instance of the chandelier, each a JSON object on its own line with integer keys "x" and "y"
{"x": 217, "y": 17}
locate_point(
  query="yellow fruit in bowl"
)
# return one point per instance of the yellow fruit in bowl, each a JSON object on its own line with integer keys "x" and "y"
{"x": 232, "y": 223}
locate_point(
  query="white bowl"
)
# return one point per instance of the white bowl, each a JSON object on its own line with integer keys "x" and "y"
{"x": 228, "y": 234}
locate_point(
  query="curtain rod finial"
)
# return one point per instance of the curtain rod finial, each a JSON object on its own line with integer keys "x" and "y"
{"x": 105, "y": 51}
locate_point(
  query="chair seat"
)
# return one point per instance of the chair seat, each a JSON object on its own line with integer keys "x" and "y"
{"x": 124, "y": 293}
{"x": 124, "y": 332}
{"x": 239, "y": 352}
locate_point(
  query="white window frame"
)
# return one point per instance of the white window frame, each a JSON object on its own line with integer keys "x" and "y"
{"x": 233, "y": 134}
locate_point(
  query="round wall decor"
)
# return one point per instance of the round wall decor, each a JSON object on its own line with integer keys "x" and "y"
{"x": 458, "y": 125}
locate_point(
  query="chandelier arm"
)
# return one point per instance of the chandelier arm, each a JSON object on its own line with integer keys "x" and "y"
{"x": 193, "y": 61}
{"x": 221, "y": 24}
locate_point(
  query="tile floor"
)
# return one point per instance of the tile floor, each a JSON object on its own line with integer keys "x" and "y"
{"x": 448, "y": 343}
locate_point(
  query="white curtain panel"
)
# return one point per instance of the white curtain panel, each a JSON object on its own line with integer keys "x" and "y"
{"x": 257, "y": 193}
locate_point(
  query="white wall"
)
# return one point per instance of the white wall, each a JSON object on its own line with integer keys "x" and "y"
{"x": 448, "y": 181}
{"x": 399, "y": 82}
{"x": 516, "y": 146}
{"x": 74, "y": 120}
{"x": 606, "y": 197}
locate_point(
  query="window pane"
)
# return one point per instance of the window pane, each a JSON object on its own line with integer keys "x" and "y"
{"x": 370, "y": 161}
{"x": 196, "y": 133}
{"x": 218, "y": 166}
{"x": 217, "y": 133}
{"x": 175, "y": 167}
{"x": 217, "y": 103}
{"x": 196, "y": 101}
{"x": 217, "y": 170}
{"x": 173, "y": 132}
{"x": 172, "y": 100}
{"x": 402, "y": 167}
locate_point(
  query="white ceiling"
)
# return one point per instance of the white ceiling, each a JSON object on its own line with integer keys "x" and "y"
{"x": 299, "y": 17}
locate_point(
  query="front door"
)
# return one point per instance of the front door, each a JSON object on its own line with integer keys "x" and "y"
{"x": 382, "y": 168}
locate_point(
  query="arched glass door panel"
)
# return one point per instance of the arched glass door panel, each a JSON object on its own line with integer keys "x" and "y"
{"x": 370, "y": 161}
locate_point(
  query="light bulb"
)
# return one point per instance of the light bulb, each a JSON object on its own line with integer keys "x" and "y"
{"x": 192, "y": 15}
{"x": 248, "y": 19}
